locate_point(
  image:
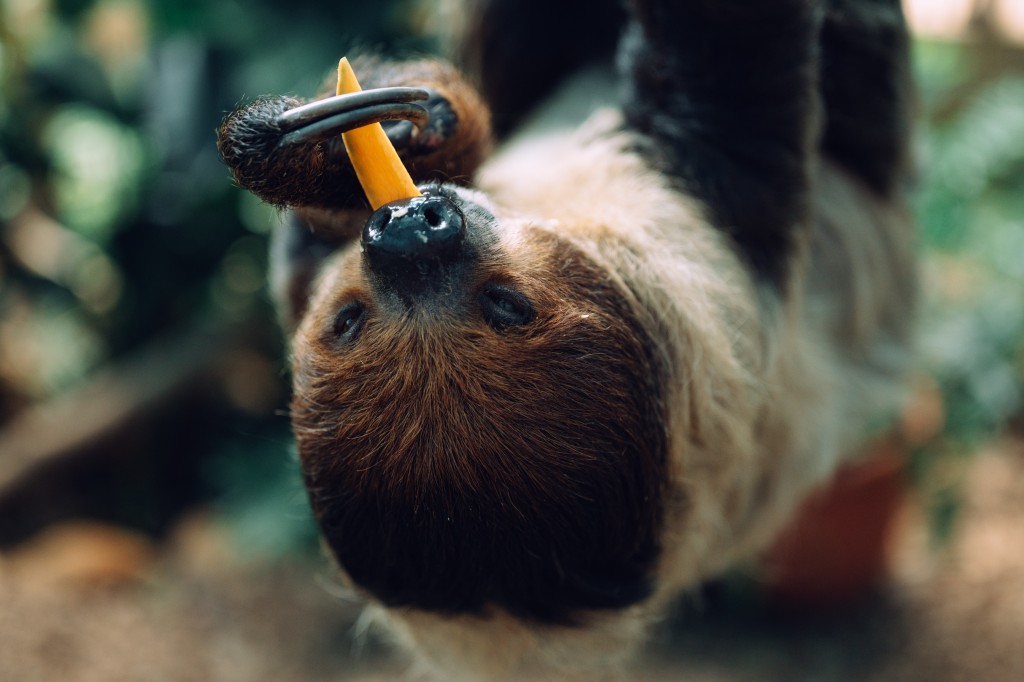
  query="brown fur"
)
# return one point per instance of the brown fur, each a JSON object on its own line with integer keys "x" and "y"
{"x": 454, "y": 443}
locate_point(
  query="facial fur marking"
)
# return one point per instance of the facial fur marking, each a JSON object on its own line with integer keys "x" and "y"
{"x": 457, "y": 465}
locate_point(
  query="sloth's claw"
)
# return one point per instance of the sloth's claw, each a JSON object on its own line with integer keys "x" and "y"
{"x": 328, "y": 118}
{"x": 293, "y": 155}
{"x": 417, "y": 140}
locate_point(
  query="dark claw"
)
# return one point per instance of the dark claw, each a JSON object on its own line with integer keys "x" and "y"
{"x": 327, "y": 118}
{"x": 330, "y": 127}
{"x": 428, "y": 137}
{"x": 314, "y": 111}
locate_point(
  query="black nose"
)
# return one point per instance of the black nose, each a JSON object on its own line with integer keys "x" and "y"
{"x": 413, "y": 243}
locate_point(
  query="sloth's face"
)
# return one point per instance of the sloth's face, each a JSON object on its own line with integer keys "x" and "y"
{"x": 478, "y": 417}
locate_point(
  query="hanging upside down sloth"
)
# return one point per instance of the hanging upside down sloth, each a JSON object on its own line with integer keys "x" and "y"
{"x": 584, "y": 372}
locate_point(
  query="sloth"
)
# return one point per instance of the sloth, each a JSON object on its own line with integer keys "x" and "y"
{"x": 659, "y": 285}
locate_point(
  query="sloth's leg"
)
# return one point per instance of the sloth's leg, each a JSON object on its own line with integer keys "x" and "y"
{"x": 290, "y": 154}
{"x": 518, "y": 51}
{"x": 865, "y": 81}
{"x": 726, "y": 90}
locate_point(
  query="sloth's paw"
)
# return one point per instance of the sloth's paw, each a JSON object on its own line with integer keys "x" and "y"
{"x": 291, "y": 154}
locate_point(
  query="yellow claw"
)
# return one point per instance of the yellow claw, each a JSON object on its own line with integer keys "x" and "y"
{"x": 380, "y": 171}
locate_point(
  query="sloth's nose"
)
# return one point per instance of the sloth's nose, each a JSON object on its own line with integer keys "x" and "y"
{"x": 412, "y": 244}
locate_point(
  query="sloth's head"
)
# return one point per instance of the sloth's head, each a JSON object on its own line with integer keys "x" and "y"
{"x": 478, "y": 417}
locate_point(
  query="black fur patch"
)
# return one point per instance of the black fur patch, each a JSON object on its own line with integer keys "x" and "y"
{"x": 865, "y": 81}
{"x": 727, "y": 93}
{"x": 518, "y": 51}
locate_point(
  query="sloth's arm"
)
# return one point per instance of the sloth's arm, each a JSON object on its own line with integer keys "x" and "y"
{"x": 867, "y": 91}
{"x": 294, "y": 157}
{"x": 726, "y": 92}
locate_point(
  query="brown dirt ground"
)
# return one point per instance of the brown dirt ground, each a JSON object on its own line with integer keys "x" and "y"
{"x": 85, "y": 603}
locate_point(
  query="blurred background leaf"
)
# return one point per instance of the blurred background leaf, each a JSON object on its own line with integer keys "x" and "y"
{"x": 970, "y": 210}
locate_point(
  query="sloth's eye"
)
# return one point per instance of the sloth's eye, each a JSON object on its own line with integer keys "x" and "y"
{"x": 503, "y": 307}
{"x": 349, "y": 321}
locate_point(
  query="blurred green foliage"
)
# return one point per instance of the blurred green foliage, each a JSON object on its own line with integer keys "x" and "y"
{"x": 119, "y": 226}
{"x": 970, "y": 210}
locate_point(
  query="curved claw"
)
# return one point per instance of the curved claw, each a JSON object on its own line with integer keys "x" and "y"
{"x": 329, "y": 117}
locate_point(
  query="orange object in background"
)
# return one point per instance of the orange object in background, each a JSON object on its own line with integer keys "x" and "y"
{"x": 836, "y": 550}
